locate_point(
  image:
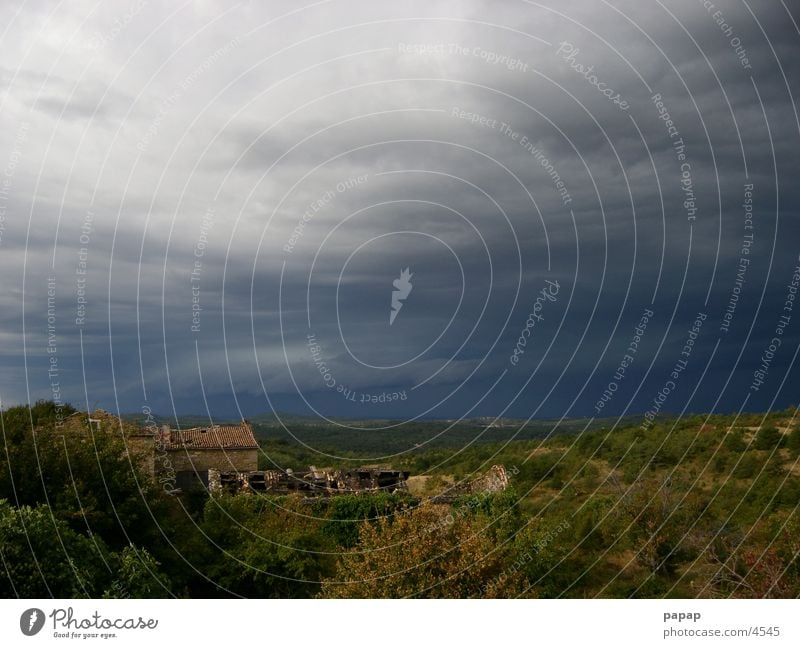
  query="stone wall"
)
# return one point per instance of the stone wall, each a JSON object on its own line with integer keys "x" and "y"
{"x": 186, "y": 459}
{"x": 142, "y": 447}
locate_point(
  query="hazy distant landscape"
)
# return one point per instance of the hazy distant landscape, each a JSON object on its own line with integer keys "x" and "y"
{"x": 380, "y": 437}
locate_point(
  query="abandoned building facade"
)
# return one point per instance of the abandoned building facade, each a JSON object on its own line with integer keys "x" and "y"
{"x": 184, "y": 455}
{"x": 192, "y": 452}
{"x": 224, "y": 459}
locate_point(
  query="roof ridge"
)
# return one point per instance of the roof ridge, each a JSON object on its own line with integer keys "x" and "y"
{"x": 215, "y": 436}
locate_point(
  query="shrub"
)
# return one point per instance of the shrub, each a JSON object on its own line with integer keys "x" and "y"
{"x": 423, "y": 553}
{"x": 768, "y": 438}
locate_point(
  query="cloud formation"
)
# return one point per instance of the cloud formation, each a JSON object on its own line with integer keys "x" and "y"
{"x": 206, "y": 205}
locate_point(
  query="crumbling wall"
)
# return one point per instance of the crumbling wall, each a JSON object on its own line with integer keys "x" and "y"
{"x": 311, "y": 482}
{"x": 495, "y": 480}
{"x": 203, "y": 459}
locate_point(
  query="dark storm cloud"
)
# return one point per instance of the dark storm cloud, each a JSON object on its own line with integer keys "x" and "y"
{"x": 219, "y": 154}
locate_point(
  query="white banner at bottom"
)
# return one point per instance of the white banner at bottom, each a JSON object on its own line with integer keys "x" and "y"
{"x": 396, "y": 624}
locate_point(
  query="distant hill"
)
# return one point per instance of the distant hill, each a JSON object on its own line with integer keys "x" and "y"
{"x": 384, "y": 436}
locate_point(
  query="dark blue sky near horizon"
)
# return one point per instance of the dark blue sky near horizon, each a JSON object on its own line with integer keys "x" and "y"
{"x": 205, "y": 209}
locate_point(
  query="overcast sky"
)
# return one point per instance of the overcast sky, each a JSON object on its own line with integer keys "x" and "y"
{"x": 216, "y": 199}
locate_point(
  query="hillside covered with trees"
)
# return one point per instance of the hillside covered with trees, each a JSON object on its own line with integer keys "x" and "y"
{"x": 705, "y": 506}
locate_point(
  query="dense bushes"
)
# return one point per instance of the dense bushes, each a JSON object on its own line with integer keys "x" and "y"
{"x": 424, "y": 552}
{"x": 43, "y": 557}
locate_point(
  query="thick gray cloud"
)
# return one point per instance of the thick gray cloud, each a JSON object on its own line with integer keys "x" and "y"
{"x": 278, "y": 167}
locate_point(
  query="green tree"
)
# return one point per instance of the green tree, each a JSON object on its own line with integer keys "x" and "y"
{"x": 344, "y": 515}
{"x": 88, "y": 480}
{"x": 427, "y": 552}
{"x": 657, "y": 516}
{"x": 264, "y": 547}
{"x": 138, "y": 575}
{"x": 748, "y": 466}
{"x": 734, "y": 441}
{"x": 793, "y": 441}
{"x": 41, "y": 557}
{"x": 768, "y": 438}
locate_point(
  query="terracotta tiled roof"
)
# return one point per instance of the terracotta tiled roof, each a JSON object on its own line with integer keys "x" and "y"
{"x": 215, "y": 437}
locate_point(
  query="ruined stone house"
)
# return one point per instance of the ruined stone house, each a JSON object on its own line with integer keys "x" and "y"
{"x": 182, "y": 456}
{"x": 191, "y": 452}
{"x": 224, "y": 458}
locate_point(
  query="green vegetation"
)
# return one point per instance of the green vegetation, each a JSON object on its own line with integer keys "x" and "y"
{"x": 379, "y": 438}
{"x": 700, "y": 506}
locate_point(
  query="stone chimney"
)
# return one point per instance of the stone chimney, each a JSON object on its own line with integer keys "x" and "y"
{"x": 166, "y": 435}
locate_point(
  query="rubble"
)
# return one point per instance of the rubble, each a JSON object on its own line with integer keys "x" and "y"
{"x": 495, "y": 480}
{"x": 311, "y": 482}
